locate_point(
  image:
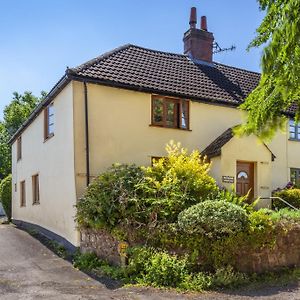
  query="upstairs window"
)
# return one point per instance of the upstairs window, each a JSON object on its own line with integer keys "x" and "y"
{"x": 19, "y": 148}
{"x": 35, "y": 189}
{"x": 294, "y": 130}
{"x": 170, "y": 112}
{"x": 49, "y": 121}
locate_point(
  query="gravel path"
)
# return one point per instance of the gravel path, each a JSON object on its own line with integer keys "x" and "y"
{"x": 28, "y": 270}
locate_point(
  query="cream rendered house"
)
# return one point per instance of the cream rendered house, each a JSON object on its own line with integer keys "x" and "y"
{"x": 124, "y": 106}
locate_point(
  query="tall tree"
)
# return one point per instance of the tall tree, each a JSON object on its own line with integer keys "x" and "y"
{"x": 14, "y": 115}
{"x": 279, "y": 87}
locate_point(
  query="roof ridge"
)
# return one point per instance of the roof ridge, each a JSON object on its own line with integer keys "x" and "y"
{"x": 128, "y": 45}
{"x": 98, "y": 58}
{"x": 158, "y": 51}
{"x": 186, "y": 56}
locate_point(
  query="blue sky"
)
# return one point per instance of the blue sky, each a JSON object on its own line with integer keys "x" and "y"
{"x": 40, "y": 38}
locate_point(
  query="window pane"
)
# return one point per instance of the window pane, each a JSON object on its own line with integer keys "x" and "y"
{"x": 50, "y": 110}
{"x": 36, "y": 197}
{"x": 158, "y": 111}
{"x": 292, "y": 128}
{"x": 293, "y": 176}
{"x": 171, "y": 114}
{"x": 51, "y": 129}
{"x": 184, "y": 114}
{"x": 51, "y": 119}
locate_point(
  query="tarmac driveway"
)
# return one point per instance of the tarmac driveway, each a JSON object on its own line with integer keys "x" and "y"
{"x": 28, "y": 270}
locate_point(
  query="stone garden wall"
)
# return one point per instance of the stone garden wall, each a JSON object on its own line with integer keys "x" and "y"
{"x": 102, "y": 243}
{"x": 285, "y": 252}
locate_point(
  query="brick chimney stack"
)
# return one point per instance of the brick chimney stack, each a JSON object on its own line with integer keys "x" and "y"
{"x": 198, "y": 43}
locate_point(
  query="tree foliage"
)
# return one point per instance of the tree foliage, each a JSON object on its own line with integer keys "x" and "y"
{"x": 280, "y": 80}
{"x": 14, "y": 115}
{"x": 5, "y": 195}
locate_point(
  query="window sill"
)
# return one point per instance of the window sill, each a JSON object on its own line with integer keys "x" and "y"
{"x": 158, "y": 126}
{"x": 19, "y": 159}
{"x": 36, "y": 203}
{"x": 48, "y": 137}
{"x": 21, "y": 206}
{"x": 294, "y": 140}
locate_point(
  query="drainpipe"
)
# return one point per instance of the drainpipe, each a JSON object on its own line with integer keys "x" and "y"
{"x": 87, "y": 146}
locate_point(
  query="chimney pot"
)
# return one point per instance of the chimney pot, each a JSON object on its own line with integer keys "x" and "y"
{"x": 204, "y": 23}
{"x": 198, "y": 42}
{"x": 193, "y": 17}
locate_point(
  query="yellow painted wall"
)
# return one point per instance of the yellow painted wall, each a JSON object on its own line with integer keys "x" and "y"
{"x": 119, "y": 128}
{"x": 119, "y": 132}
{"x": 53, "y": 160}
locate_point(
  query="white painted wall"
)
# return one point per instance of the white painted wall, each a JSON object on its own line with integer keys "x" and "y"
{"x": 53, "y": 160}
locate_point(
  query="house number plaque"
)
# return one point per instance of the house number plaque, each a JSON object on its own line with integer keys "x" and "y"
{"x": 228, "y": 179}
{"x": 122, "y": 249}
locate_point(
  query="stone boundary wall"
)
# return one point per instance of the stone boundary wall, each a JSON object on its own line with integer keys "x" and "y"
{"x": 285, "y": 253}
{"x": 102, "y": 243}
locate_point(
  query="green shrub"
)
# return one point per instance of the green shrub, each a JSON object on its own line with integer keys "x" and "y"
{"x": 5, "y": 195}
{"x": 165, "y": 270}
{"x": 214, "y": 219}
{"x": 285, "y": 214}
{"x": 111, "y": 198}
{"x": 292, "y": 196}
{"x": 91, "y": 263}
{"x": 156, "y": 267}
{"x": 232, "y": 197}
{"x": 260, "y": 220}
{"x": 197, "y": 282}
{"x": 138, "y": 258}
{"x": 226, "y": 277}
{"x": 127, "y": 196}
{"x": 86, "y": 261}
{"x": 176, "y": 182}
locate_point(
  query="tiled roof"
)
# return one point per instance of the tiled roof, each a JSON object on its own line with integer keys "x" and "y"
{"x": 136, "y": 68}
{"x": 214, "y": 149}
{"x": 171, "y": 74}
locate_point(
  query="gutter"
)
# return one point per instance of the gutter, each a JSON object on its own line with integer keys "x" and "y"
{"x": 87, "y": 145}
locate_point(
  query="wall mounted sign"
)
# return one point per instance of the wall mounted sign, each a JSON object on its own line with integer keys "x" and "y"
{"x": 228, "y": 179}
{"x": 264, "y": 187}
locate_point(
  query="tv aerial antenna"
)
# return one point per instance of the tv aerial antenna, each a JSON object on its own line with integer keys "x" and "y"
{"x": 218, "y": 49}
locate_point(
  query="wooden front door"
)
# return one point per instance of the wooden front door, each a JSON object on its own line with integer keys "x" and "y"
{"x": 245, "y": 178}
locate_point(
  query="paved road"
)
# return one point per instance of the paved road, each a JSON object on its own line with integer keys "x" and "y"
{"x": 28, "y": 270}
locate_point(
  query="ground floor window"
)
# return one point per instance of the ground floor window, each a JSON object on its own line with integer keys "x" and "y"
{"x": 35, "y": 189}
{"x": 295, "y": 177}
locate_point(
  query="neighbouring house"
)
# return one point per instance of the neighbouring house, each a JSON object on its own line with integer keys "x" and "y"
{"x": 124, "y": 106}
